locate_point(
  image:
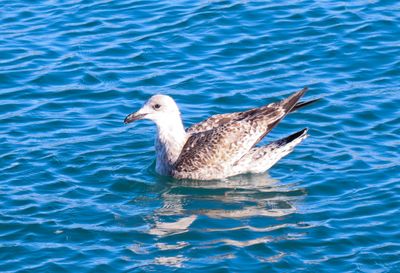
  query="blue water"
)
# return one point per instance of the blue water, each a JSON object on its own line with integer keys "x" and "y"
{"x": 78, "y": 190}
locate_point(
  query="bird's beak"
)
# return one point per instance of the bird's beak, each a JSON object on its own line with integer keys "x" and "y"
{"x": 134, "y": 116}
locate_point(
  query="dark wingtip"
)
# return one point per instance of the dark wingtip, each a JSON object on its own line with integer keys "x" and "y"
{"x": 303, "y": 104}
{"x": 295, "y": 135}
{"x": 290, "y": 102}
{"x": 302, "y": 91}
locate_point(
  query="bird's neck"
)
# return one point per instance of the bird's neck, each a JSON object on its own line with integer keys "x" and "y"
{"x": 171, "y": 137}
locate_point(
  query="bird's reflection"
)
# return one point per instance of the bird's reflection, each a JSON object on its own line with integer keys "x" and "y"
{"x": 238, "y": 197}
{"x": 220, "y": 209}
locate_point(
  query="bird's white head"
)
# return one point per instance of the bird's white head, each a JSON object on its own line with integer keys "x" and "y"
{"x": 159, "y": 108}
{"x": 171, "y": 135}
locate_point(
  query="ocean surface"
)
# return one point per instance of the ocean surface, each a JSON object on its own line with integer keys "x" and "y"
{"x": 78, "y": 189}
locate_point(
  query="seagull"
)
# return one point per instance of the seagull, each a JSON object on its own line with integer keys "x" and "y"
{"x": 221, "y": 146}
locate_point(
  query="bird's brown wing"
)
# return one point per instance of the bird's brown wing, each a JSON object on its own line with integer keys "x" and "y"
{"x": 228, "y": 142}
{"x": 220, "y": 119}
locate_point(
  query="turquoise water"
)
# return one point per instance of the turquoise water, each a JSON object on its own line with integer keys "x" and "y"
{"x": 78, "y": 190}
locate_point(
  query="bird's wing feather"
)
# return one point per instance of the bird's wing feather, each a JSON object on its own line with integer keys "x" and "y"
{"x": 228, "y": 142}
{"x": 220, "y": 119}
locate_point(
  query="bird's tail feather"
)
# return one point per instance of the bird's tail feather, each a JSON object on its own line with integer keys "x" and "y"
{"x": 260, "y": 159}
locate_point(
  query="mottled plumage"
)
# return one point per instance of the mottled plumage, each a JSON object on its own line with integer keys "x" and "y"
{"x": 222, "y": 145}
{"x": 219, "y": 119}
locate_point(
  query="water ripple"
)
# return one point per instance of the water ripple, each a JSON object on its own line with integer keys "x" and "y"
{"x": 78, "y": 189}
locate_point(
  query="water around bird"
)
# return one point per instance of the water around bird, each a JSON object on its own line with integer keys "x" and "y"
{"x": 78, "y": 191}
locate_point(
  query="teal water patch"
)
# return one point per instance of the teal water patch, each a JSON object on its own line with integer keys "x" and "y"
{"x": 78, "y": 190}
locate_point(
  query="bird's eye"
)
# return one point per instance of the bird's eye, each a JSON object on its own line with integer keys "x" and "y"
{"x": 157, "y": 106}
